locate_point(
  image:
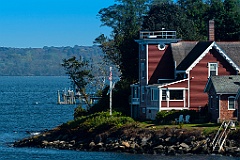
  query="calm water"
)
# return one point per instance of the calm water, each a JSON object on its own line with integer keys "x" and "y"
{"x": 28, "y": 105}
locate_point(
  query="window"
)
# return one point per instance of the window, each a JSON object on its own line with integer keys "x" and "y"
{"x": 143, "y": 110}
{"x": 212, "y": 69}
{"x": 143, "y": 93}
{"x": 143, "y": 70}
{"x": 217, "y": 104}
{"x": 143, "y": 47}
{"x": 154, "y": 95}
{"x": 164, "y": 95}
{"x": 231, "y": 102}
{"x": 135, "y": 92}
{"x": 176, "y": 94}
{"x": 211, "y": 102}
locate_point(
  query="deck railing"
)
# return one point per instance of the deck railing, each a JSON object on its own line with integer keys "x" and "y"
{"x": 158, "y": 35}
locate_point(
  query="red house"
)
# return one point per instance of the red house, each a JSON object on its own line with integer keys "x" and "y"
{"x": 174, "y": 73}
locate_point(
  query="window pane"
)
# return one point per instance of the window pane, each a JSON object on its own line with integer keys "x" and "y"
{"x": 212, "y": 69}
{"x": 231, "y": 103}
{"x": 143, "y": 70}
{"x": 135, "y": 92}
{"x": 164, "y": 92}
{"x": 143, "y": 94}
{"x": 155, "y": 94}
{"x": 176, "y": 94}
{"x": 213, "y": 73}
{"x": 143, "y": 110}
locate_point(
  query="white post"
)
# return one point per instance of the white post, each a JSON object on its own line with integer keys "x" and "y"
{"x": 110, "y": 89}
{"x": 59, "y": 99}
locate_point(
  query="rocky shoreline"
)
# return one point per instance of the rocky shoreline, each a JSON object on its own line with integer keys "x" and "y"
{"x": 131, "y": 139}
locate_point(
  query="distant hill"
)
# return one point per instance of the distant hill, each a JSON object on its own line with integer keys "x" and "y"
{"x": 44, "y": 61}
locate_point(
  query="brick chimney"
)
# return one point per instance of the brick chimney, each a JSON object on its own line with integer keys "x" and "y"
{"x": 211, "y": 36}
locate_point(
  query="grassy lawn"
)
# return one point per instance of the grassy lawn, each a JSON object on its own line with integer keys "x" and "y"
{"x": 206, "y": 128}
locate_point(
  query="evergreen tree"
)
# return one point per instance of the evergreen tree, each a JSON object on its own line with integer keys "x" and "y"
{"x": 195, "y": 11}
{"x": 231, "y": 20}
{"x": 169, "y": 16}
{"x": 80, "y": 74}
{"x": 217, "y": 13}
{"x": 125, "y": 18}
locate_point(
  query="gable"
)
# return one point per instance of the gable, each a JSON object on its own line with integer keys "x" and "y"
{"x": 231, "y": 52}
{"x": 202, "y": 48}
{"x": 194, "y": 56}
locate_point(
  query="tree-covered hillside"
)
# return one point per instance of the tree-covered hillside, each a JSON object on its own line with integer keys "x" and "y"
{"x": 43, "y": 61}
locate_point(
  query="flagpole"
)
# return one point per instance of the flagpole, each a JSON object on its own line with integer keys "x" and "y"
{"x": 110, "y": 88}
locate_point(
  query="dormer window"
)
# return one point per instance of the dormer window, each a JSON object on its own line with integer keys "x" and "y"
{"x": 212, "y": 69}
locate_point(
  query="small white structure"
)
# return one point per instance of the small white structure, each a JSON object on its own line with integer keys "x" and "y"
{"x": 68, "y": 97}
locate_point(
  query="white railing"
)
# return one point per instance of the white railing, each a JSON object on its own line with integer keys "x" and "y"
{"x": 221, "y": 135}
{"x": 158, "y": 35}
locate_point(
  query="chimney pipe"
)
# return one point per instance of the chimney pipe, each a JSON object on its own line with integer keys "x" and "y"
{"x": 211, "y": 35}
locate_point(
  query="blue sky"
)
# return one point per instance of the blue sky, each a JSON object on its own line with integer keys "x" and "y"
{"x": 38, "y": 23}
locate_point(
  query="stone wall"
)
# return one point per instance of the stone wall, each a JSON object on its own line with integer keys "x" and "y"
{"x": 167, "y": 141}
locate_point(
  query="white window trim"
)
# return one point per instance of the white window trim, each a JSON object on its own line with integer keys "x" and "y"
{"x": 179, "y": 100}
{"x": 231, "y": 97}
{"x": 168, "y": 94}
{"x": 165, "y": 95}
{"x": 209, "y": 63}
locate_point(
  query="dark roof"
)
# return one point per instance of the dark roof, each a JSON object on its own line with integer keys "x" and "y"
{"x": 232, "y": 49}
{"x": 186, "y": 52}
{"x": 193, "y": 55}
{"x": 226, "y": 84}
{"x": 181, "y": 49}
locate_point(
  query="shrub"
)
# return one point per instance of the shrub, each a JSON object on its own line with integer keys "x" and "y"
{"x": 98, "y": 121}
{"x": 165, "y": 116}
{"x": 79, "y": 111}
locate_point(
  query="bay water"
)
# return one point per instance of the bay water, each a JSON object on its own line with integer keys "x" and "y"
{"x": 28, "y": 104}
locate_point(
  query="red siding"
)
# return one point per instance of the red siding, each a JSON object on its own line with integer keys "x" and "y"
{"x": 174, "y": 104}
{"x": 200, "y": 74}
{"x": 160, "y": 64}
{"x": 179, "y": 104}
